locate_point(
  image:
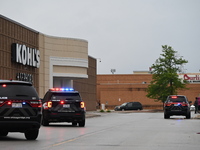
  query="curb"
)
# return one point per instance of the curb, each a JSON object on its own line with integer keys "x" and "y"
{"x": 92, "y": 114}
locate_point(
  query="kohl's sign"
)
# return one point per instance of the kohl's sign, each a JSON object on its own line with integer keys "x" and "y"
{"x": 25, "y": 55}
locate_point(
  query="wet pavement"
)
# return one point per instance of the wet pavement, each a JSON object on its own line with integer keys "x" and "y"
{"x": 98, "y": 113}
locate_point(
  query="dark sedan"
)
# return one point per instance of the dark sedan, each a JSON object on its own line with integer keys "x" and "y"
{"x": 129, "y": 106}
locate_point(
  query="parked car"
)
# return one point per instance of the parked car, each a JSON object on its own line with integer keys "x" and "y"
{"x": 129, "y": 106}
{"x": 177, "y": 105}
{"x": 20, "y": 109}
{"x": 63, "y": 105}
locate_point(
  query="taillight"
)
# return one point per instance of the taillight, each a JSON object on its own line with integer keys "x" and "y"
{"x": 35, "y": 103}
{"x": 49, "y": 104}
{"x": 9, "y": 102}
{"x": 62, "y": 102}
{"x": 168, "y": 104}
{"x": 82, "y": 105}
{"x": 2, "y": 103}
{"x": 184, "y": 104}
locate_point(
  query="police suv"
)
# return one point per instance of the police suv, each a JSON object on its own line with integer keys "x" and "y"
{"x": 20, "y": 109}
{"x": 177, "y": 105}
{"x": 63, "y": 105}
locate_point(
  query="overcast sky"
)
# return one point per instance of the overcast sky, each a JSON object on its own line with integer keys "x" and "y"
{"x": 125, "y": 35}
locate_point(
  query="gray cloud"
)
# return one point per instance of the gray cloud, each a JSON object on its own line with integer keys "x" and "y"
{"x": 126, "y": 34}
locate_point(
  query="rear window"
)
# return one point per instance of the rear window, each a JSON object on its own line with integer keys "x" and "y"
{"x": 21, "y": 91}
{"x": 177, "y": 99}
{"x": 65, "y": 96}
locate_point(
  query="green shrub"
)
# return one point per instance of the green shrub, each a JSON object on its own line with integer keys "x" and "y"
{"x": 102, "y": 110}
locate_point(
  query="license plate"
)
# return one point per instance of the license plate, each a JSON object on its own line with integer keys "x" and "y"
{"x": 17, "y": 105}
{"x": 66, "y": 105}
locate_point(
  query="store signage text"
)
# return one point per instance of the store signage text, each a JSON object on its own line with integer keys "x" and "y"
{"x": 191, "y": 78}
{"x": 25, "y": 55}
{"x": 24, "y": 77}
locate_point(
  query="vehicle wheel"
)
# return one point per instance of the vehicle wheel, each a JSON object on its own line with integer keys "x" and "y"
{"x": 45, "y": 122}
{"x": 82, "y": 123}
{"x": 31, "y": 134}
{"x": 74, "y": 123}
{"x": 166, "y": 116}
{"x": 188, "y": 116}
{"x": 3, "y": 133}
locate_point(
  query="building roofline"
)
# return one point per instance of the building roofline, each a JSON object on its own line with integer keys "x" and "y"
{"x": 1, "y": 16}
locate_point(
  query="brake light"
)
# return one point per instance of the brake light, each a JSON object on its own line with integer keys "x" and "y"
{"x": 174, "y": 97}
{"x": 9, "y": 103}
{"x": 4, "y": 85}
{"x": 62, "y": 102}
{"x": 82, "y": 105}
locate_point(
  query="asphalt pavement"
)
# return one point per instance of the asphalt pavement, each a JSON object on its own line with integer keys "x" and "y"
{"x": 98, "y": 113}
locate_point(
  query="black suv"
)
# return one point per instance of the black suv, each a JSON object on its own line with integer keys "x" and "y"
{"x": 177, "y": 105}
{"x": 129, "y": 106}
{"x": 63, "y": 105}
{"x": 20, "y": 109}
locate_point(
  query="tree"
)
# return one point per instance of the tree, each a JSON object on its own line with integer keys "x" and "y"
{"x": 165, "y": 79}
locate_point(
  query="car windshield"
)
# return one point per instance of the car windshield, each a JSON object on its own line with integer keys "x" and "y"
{"x": 66, "y": 96}
{"x": 123, "y": 104}
{"x": 177, "y": 99}
{"x": 22, "y": 91}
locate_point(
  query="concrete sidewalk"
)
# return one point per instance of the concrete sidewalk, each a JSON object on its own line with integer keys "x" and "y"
{"x": 90, "y": 114}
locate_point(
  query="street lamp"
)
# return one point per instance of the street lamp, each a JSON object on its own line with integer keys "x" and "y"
{"x": 113, "y": 71}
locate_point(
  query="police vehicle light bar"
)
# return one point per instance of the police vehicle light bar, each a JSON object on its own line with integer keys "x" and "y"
{"x": 61, "y": 89}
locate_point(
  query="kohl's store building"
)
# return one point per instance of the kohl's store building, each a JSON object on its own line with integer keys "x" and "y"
{"x": 46, "y": 61}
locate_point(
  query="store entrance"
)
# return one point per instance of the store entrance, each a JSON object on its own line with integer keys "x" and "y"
{"x": 62, "y": 82}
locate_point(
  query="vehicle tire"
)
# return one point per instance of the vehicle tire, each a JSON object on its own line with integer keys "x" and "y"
{"x": 45, "y": 122}
{"x": 74, "y": 123}
{"x": 31, "y": 134}
{"x": 81, "y": 123}
{"x": 166, "y": 116}
{"x": 3, "y": 133}
{"x": 188, "y": 116}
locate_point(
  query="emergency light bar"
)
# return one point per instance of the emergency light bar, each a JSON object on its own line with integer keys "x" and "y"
{"x": 61, "y": 89}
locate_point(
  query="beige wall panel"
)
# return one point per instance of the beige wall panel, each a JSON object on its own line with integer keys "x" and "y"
{"x": 64, "y": 69}
{"x": 59, "y": 48}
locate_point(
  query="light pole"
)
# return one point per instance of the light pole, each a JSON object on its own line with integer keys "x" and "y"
{"x": 113, "y": 71}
